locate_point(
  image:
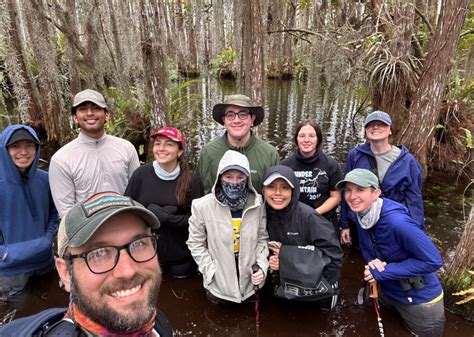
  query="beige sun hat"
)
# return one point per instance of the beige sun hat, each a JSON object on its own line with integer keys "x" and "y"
{"x": 238, "y": 100}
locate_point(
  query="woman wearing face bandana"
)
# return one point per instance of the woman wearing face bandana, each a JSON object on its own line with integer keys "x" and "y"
{"x": 227, "y": 233}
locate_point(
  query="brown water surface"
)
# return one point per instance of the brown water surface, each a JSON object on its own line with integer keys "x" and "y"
{"x": 184, "y": 301}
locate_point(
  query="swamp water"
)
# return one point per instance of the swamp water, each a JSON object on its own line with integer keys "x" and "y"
{"x": 184, "y": 301}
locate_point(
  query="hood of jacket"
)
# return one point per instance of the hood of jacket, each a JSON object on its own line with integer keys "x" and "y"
{"x": 7, "y": 167}
{"x": 233, "y": 158}
{"x": 289, "y": 174}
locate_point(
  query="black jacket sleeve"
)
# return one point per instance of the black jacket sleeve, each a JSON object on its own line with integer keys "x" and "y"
{"x": 323, "y": 236}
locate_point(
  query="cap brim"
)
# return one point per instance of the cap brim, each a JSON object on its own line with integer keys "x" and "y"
{"x": 99, "y": 104}
{"x": 274, "y": 176}
{"x": 16, "y": 137}
{"x": 90, "y": 227}
{"x": 376, "y": 120}
{"x": 342, "y": 183}
{"x": 235, "y": 167}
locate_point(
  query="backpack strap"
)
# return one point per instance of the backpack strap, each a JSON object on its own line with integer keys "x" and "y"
{"x": 35, "y": 325}
{"x": 162, "y": 325}
{"x": 64, "y": 328}
{"x": 373, "y": 165}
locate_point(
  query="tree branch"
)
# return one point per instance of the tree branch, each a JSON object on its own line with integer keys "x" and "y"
{"x": 467, "y": 32}
{"x": 425, "y": 20}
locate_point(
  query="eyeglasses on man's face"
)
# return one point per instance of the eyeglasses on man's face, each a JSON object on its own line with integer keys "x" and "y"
{"x": 103, "y": 259}
{"x": 230, "y": 115}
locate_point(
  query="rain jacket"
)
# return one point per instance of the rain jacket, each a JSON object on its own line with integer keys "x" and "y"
{"x": 211, "y": 239}
{"x": 310, "y": 255}
{"x": 50, "y": 322}
{"x": 397, "y": 240}
{"x": 402, "y": 182}
{"x": 28, "y": 218}
{"x": 260, "y": 154}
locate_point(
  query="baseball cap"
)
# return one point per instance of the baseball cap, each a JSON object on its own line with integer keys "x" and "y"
{"x": 171, "y": 133}
{"x": 236, "y": 167}
{"x": 21, "y": 134}
{"x": 378, "y": 116}
{"x": 360, "y": 177}
{"x": 88, "y": 95}
{"x": 85, "y": 218}
{"x": 274, "y": 176}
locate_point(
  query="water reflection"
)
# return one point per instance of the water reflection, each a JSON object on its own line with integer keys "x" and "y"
{"x": 336, "y": 107}
{"x": 286, "y": 105}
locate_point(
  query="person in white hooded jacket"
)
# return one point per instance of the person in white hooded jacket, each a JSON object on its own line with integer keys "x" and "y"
{"x": 227, "y": 233}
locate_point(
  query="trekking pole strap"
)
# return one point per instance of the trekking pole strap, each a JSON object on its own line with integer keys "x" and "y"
{"x": 374, "y": 293}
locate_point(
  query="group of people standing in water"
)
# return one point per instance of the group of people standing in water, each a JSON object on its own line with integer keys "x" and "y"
{"x": 244, "y": 220}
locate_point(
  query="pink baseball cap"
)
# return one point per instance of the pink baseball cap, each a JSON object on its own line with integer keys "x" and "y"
{"x": 171, "y": 133}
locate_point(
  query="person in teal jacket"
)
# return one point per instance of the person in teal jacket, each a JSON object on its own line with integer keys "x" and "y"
{"x": 28, "y": 218}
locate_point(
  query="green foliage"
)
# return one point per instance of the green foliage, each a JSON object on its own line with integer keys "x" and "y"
{"x": 120, "y": 125}
{"x": 467, "y": 40}
{"x": 303, "y": 4}
{"x": 457, "y": 283}
{"x": 60, "y": 45}
{"x": 468, "y": 136}
{"x": 223, "y": 61}
{"x": 301, "y": 70}
{"x": 183, "y": 102}
{"x": 172, "y": 69}
{"x": 455, "y": 85}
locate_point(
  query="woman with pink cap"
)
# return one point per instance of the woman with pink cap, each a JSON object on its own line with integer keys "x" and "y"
{"x": 166, "y": 187}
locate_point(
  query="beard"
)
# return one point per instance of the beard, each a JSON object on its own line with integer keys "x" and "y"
{"x": 102, "y": 313}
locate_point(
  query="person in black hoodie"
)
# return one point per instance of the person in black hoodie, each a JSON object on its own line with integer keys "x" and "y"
{"x": 317, "y": 172}
{"x": 306, "y": 255}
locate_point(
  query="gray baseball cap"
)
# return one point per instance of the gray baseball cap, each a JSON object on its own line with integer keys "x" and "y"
{"x": 85, "y": 218}
{"x": 378, "y": 116}
{"x": 360, "y": 177}
{"x": 89, "y": 95}
{"x": 276, "y": 175}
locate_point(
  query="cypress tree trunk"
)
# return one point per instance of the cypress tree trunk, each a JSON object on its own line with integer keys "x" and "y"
{"x": 417, "y": 129}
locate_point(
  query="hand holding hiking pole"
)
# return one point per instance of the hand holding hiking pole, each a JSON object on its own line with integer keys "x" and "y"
{"x": 374, "y": 295}
{"x": 256, "y": 268}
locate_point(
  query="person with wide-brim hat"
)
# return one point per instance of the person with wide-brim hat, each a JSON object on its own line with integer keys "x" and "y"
{"x": 218, "y": 112}
{"x": 238, "y": 115}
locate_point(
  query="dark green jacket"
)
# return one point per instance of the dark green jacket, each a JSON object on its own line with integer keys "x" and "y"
{"x": 260, "y": 154}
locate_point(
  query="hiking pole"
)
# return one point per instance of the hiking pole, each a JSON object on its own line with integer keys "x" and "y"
{"x": 255, "y": 269}
{"x": 374, "y": 295}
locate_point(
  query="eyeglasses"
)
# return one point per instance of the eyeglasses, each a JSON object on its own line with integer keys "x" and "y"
{"x": 104, "y": 259}
{"x": 242, "y": 115}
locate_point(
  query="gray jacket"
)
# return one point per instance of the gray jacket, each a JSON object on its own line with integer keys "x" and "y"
{"x": 212, "y": 245}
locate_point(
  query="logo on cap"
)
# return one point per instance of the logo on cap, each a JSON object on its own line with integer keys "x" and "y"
{"x": 104, "y": 200}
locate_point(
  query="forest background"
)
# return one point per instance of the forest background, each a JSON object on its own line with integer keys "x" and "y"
{"x": 411, "y": 58}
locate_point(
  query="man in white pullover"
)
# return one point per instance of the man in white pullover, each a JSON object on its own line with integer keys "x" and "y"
{"x": 94, "y": 161}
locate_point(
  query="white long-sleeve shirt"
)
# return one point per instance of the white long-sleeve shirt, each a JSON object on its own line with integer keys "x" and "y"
{"x": 86, "y": 166}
